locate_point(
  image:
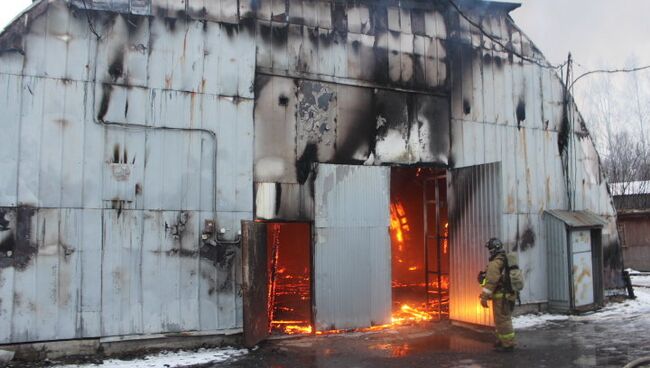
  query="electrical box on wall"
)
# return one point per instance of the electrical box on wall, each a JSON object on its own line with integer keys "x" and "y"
{"x": 575, "y": 261}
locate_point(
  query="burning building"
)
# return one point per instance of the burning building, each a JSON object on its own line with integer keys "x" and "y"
{"x": 217, "y": 166}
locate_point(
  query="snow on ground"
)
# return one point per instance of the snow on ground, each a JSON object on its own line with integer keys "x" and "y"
{"x": 613, "y": 311}
{"x": 169, "y": 359}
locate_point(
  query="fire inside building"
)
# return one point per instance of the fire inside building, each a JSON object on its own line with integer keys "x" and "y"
{"x": 285, "y": 166}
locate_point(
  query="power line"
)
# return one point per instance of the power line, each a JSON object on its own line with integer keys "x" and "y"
{"x": 496, "y": 40}
{"x": 90, "y": 23}
{"x": 609, "y": 71}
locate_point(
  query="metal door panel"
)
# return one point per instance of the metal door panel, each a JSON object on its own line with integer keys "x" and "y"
{"x": 352, "y": 273}
{"x": 255, "y": 279}
{"x": 474, "y": 217}
{"x": 582, "y": 268}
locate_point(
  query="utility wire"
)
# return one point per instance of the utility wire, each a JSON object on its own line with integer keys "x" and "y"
{"x": 609, "y": 71}
{"x": 90, "y": 23}
{"x": 496, "y": 40}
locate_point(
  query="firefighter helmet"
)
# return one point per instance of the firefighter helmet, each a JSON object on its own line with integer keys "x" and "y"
{"x": 494, "y": 246}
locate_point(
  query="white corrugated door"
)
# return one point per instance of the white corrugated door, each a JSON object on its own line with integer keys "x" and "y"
{"x": 352, "y": 269}
{"x": 474, "y": 217}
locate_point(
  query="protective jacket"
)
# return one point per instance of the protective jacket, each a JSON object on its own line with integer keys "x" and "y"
{"x": 493, "y": 282}
{"x": 502, "y": 300}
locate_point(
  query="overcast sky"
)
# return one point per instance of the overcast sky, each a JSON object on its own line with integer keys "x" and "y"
{"x": 597, "y": 32}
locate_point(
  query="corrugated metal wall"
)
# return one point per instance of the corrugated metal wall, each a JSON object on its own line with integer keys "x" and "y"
{"x": 352, "y": 269}
{"x": 190, "y": 66}
{"x": 109, "y": 241}
{"x": 474, "y": 218}
{"x": 559, "y": 294}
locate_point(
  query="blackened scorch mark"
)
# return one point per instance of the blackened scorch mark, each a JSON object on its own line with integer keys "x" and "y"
{"x": 116, "y": 69}
{"x": 107, "y": 90}
{"x": 521, "y": 112}
{"x": 19, "y": 242}
{"x": 116, "y": 153}
{"x": 487, "y": 59}
{"x": 4, "y": 219}
{"x": 527, "y": 240}
{"x": 339, "y": 17}
{"x": 466, "y": 107}
{"x": 304, "y": 163}
{"x": 278, "y": 197}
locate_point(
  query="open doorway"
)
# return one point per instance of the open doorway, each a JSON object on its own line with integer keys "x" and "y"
{"x": 419, "y": 243}
{"x": 289, "y": 278}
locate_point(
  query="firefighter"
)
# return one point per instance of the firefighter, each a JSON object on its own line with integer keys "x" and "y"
{"x": 503, "y": 298}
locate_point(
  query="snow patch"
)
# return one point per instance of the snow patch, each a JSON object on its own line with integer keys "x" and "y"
{"x": 536, "y": 320}
{"x": 637, "y": 308}
{"x": 169, "y": 359}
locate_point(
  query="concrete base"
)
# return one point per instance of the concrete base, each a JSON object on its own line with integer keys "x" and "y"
{"x": 125, "y": 346}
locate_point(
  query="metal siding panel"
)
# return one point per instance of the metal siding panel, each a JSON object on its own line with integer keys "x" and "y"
{"x": 366, "y": 186}
{"x": 10, "y": 106}
{"x": 52, "y": 131}
{"x": 30, "y": 141}
{"x": 326, "y": 66}
{"x": 265, "y": 50}
{"x": 7, "y": 319}
{"x": 25, "y": 323}
{"x": 169, "y": 272}
{"x": 56, "y": 47}
{"x": 70, "y": 273}
{"x": 243, "y": 148}
{"x": 93, "y": 159}
{"x": 340, "y": 56}
{"x": 211, "y": 59}
{"x": 281, "y": 47}
{"x": 227, "y": 74}
{"x": 475, "y": 216}
{"x": 558, "y": 276}
{"x": 246, "y": 65}
{"x": 72, "y": 151}
{"x": 90, "y": 259}
{"x": 351, "y": 223}
{"x": 275, "y": 130}
{"x": 122, "y": 312}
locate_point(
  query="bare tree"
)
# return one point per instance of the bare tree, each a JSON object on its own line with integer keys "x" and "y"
{"x": 627, "y": 162}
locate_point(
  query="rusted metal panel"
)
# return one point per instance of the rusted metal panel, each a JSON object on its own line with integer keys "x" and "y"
{"x": 475, "y": 217}
{"x": 255, "y": 283}
{"x": 351, "y": 219}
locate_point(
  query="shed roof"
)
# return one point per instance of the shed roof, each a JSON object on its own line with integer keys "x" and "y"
{"x": 578, "y": 218}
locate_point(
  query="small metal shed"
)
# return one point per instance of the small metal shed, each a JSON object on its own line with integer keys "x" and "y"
{"x": 575, "y": 261}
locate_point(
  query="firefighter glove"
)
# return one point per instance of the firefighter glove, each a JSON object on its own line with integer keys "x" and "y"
{"x": 484, "y": 300}
{"x": 481, "y": 278}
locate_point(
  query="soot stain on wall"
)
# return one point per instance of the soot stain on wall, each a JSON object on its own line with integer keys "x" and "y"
{"x": 18, "y": 247}
{"x": 304, "y": 163}
{"x": 525, "y": 241}
{"x": 521, "y": 112}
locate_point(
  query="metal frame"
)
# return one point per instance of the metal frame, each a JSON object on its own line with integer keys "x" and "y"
{"x": 435, "y": 181}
